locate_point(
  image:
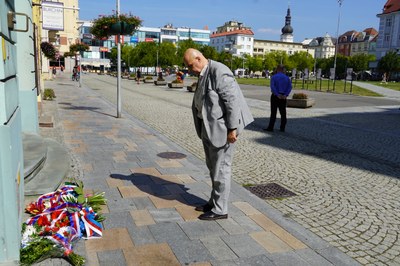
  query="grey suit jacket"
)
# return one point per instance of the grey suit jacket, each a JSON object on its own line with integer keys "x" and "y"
{"x": 224, "y": 106}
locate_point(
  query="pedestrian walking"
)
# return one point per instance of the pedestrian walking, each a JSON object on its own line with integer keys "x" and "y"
{"x": 138, "y": 75}
{"x": 220, "y": 114}
{"x": 281, "y": 86}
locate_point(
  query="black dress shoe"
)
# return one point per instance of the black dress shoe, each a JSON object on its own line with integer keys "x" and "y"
{"x": 210, "y": 216}
{"x": 268, "y": 129}
{"x": 204, "y": 208}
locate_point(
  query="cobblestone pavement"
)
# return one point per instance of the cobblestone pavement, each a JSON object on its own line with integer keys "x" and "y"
{"x": 343, "y": 164}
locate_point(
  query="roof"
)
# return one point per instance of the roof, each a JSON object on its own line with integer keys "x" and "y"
{"x": 371, "y": 31}
{"x": 391, "y": 6}
{"x": 233, "y": 32}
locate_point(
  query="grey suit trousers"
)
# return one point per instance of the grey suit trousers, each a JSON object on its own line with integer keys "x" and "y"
{"x": 219, "y": 163}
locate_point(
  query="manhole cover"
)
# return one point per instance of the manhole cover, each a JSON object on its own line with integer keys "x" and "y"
{"x": 270, "y": 191}
{"x": 171, "y": 155}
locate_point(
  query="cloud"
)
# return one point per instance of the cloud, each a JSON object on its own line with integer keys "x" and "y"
{"x": 270, "y": 31}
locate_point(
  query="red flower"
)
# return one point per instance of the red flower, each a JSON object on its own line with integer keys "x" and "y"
{"x": 43, "y": 221}
{"x": 34, "y": 208}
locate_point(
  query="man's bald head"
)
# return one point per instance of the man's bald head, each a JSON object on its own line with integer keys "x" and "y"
{"x": 194, "y": 60}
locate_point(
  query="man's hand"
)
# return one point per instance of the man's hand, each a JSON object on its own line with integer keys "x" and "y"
{"x": 232, "y": 137}
{"x": 282, "y": 97}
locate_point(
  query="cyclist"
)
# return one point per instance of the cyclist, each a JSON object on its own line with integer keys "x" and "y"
{"x": 75, "y": 73}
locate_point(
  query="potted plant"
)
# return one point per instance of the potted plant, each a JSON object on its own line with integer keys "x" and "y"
{"x": 160, "y": 81}
{"x": 300, "y": 100}
{"x": 148, "y": 79}
{"x": 176, "y": 83}
{"x": 107, "y": 25}
{"x": 49, "y": 94}
{"x": 192, "y": 88}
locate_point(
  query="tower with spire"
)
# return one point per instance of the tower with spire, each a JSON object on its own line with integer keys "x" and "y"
{"x": 287, "y": 30}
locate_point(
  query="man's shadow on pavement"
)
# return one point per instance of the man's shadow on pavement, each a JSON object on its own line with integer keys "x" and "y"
{"x": 162, "y": 188}
{"x": 75, "y": 107}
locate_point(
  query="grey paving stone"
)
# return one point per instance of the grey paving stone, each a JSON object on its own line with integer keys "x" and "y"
{"x": 117, "y": 220}
{"x": 247, "y": 223}
{"x": 189, "y": 252}
{"x": 144, "y": 203}
{"x": 231, "y": 226}
{"x": 225, "y": 262}
{"x": 141, "y": 235}
{"x": 289, "y": 258}
{"x": 168, "y": 232}
{"x": 202, "y": 229}
{"x": 218, "y": 249}
{"x": 312, "y": 258}
{"x": 243, "y": 245}
{"x": 124, "y": 166}
{"x": 166, "y": 216}
{"x": 194, "y": 200}
{"x": 112, "y": 257}
{"x": 123, "y": 204}
{"x": 261, "y": 260}
{"x": 112, "y": 195}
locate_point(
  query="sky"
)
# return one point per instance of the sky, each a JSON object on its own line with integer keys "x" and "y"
{"x": 310, "y": 18}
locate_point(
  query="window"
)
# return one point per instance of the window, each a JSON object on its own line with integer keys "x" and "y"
{"x": 387, "y": 38}
{"x": 388, "y": 22}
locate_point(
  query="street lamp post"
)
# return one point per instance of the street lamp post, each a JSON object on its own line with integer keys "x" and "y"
{"x": 337, "y": 43}
{"x": 118, "y": 68}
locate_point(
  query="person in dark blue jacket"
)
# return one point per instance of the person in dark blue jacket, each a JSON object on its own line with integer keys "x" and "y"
{"x": 281, "y": 86}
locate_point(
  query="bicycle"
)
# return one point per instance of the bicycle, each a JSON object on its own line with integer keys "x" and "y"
{"x": 75, "y": 77}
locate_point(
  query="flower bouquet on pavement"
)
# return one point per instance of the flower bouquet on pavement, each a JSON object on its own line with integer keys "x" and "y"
{"x": 58, "y": 220}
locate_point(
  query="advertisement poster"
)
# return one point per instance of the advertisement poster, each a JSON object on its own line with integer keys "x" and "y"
{"x": 53, "y": 15}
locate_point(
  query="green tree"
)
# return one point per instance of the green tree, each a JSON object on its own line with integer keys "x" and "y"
{"x": 209, "y": 52}
{"x": 144, "y": 54}
{"x": 125, "y": 54}
{"x": 360, "y": 62}
{"x": 389, "y": 63}
{"x": 182, "y": 47}
{"x": 255, "y": 64}
{"x": 225, "y": 58}
{"x": 269, "y": 62}
{"x": 301, "y": 60}
{"x": 167, "y": 55}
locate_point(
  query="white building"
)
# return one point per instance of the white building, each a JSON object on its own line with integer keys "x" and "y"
{"x": 324, "y": 47}
{"x": 234, "y": 38}
{"x": 389, "y": 29}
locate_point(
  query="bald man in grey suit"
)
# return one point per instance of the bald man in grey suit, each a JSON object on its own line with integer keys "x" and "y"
{"x": 220, "y": 114}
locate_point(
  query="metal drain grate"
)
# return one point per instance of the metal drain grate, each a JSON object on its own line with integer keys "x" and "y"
{"x": 171, "y": 155}
{"x": 270, "y": 191}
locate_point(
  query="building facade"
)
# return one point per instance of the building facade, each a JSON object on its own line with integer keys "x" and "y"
{"x": 233, "y": 37}
{"x": 98, "y": 49}
{"x": 364, "y": 42}
{"x": 324, "y": 47}
{"x": 61, "y": 32}
{"x": 262, "y": 47}
{"x": 389, "y": 29}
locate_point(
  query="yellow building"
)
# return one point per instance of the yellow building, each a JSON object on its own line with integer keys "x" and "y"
{"x": 58, "y": 24}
